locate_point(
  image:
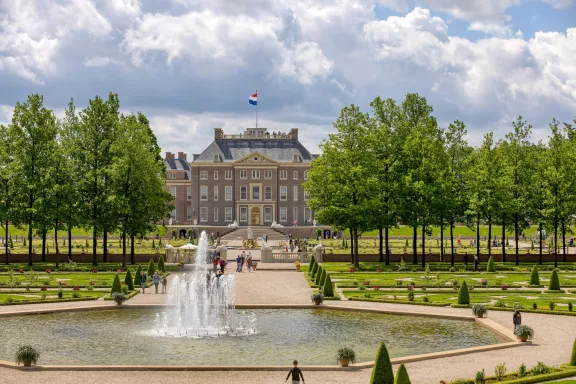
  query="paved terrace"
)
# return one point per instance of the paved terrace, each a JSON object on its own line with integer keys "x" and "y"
{"x": 552, "y": 344}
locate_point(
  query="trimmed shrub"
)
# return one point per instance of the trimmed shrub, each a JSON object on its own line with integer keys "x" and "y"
{"x": 328, "y": 290}
{"x": 161, "y": 266}
{"x": 554, "y": 282}
{"x": 382, "y": 371}
{"x": 311, "y": 267}
{"x": 322, "y": 278}
{"x": 534, "y": 276}
{"x": 491, "y": 267}
{"x": 151, "y": 268}
{"x": 463, "y": 294}
{"x": 402, "y": 375}
{"x": 116, "y": 286}
{"x": 318, "y": 276}
{"x": 573, "y": 357}
{"x": 137, "y": 276}
{"x": 153, "y": 244}
{"x": 128, "y": 280}
{"x": 314, "y": 270}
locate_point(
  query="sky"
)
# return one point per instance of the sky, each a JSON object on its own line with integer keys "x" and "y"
{"x": 190, "y": 65}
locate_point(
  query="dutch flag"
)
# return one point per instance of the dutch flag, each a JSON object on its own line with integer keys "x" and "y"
{"x": 253, "y": 99}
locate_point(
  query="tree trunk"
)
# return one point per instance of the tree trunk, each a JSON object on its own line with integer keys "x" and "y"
{"x": 356, "y": 258}
{"x": 415, "y": 246}
{"x": 94, "y": 242}
{"x": 563, "y": 243}
{"x": 351, "y": 246}
{"x": 540, "y": 244}
{"x": 478, "y": 237}
{"x": 504, "y": 241}
{"x": 423, "y": 246}
{"x": 43, "y": 245}
{"x": 105, "y": 244}
{"x": 69, "y": 242}
{"x": 30, "y": 241}
{"x": 124, "y": 249}
{"x": 489, "y": 236}
{"x": 380, "y": 240}
{"x": 516, "y": 256}
{"x": 452, "y": 243}
{"x": 56, "y": 243}
{"x": 6, "y": 242}
{"x": 442, "y": 240}
{"x": 387, "y": 245}
{"x": 132, "y": 250}
{"x": 555, "y": 245}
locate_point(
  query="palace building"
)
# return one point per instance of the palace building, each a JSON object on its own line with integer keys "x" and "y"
{"x": 254, "y": 178}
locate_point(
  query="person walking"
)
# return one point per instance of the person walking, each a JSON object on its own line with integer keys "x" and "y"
{"x": 517, "y": 319}
{"x": 249, "y": 262}
{"x": 296, "y": 374}
{"x": 222, "y": 265}
{"x": 164, "y": 284}
{"x": 476, "y": 263}
{"x": 215, "y": 262}
{"x": 143, "y": 279}
{"x": 238, "y": 263}
{"x": 242, "y": 260}
{"x": 156, "y": 281}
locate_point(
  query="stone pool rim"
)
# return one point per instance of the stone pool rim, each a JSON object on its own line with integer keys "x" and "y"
{"x": 496, "y": 328}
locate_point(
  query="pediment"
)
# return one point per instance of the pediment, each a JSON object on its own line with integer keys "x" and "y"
{"x": 255, "y": 158}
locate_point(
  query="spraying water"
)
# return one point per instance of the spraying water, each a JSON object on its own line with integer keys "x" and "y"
{"x": 203, "y": 303}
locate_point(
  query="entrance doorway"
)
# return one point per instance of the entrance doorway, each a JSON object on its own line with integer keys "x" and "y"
{"x": 255, "y": 216}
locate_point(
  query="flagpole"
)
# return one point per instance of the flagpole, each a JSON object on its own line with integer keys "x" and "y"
{"x": 256, "y": 110}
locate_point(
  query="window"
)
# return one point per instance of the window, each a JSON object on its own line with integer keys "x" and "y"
{"x": 283, "y": 193}
{"x": 228, "y": 175}
{"x": 283, "y": 175}
{"x": 268, "y": 175}
{"x": 256, "y": 174}
{"x": 228, "y": 214}
{"x": 215, "y": 193}
{"x": 189, "y": 193}
{"x": 203, "y": 213}
{"x": 295, "y": 193}
{"x": 295, "y": 215}
{"x": 295, "y": 175}
{"x": 307, "y": 215}
{"x": 243, "y": 193}
{"x": 189, "y": 213}
{"x": 204, "y": 193}
{"x": 268, "y": 214}
{"x": 267, "y": 193}
{"x": 306, "y": 196}
{"x": 283, "y": 214}
{"x": 244, "y": 174}
{"x": 305, "y": 174}
{"x": 243, "y": 214}
{"x": 215, "y": 213}
{"x": 171, "y": 175}
{"x": 295, "y": 157}
{"x": 173, "y": 214}
{"x": 228, "y": 193}
{"x": 215, "y": 175}
{"x": 173, "y": 191}
{"x": 255, "y": 192}
{"x": 203, "y": 175}
{"x": 216, "y": 157}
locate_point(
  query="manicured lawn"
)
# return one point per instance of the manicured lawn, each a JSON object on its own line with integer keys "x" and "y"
{"x": 37, "y": 295}
{"x": 459, "y": 230}
{"x": 438, "y": 267}
{"x": 80, "y": 267}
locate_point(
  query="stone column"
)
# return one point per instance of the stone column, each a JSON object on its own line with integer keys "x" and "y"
{"x": 266, "y": 254}
{"x": 318, "y": 252}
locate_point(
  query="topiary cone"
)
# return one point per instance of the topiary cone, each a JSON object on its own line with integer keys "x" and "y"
{"x": 573, "y": 357}
{"x": 128, "y": 280}
{"x": 534, "y": 276}
{"x": 137, "y": 276}
{"x": 491, "y": 267}
{"x": 314, "y": 271}
{"x": 318, "y": 276}
{"x": 116, "y": 286}
{"x": 328, "y": 291}
{"x": 402, "y": 376}
{"x": 311, "y": 267}
{"x": 161, "y": 266}
{"x": 382, "y": 371}
{"x": 322, "y": 278}
{"x": 554, "y": 282}
{"x": 151, "y": 268}
{"x": 463, "y": 294}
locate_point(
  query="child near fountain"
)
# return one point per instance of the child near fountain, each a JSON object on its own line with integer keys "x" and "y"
{"x": 296, "y": 373}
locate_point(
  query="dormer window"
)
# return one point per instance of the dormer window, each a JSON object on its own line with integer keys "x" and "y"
{"x": 216, "y": 158}
{"x": 295, "y": 158}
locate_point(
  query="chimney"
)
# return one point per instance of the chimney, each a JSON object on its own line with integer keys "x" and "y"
{"x": 181, "y": 156}
{"x": 218, "y": 133}
{"x": 169, "y": 156}
{"x": 294, "y": 134}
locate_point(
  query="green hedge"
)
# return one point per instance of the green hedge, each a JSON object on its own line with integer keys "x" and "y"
{"x": 328, "y": 291}
{"x": 39, "y": 301}
{"x": 541, "y": 378}
{"x": 382, "y": 371}
{"x": 463, "y": 294}
{"x": 398, "y": 302}
{"x": 534, "y": 276}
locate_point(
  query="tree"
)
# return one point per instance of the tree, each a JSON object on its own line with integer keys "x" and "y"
{"x": 554, "y": 282}
{"x": 328, "y": 291}
{"x": 463, "y": 294}
{"x": 318, "y": 276}
{"x": 34, "y": 133}
{"x": 8, "y": 184}
{"x": 137, "y": 276}
{"x": 161, "y": 266}
{"x": 491, "y": 267}
{"x": 311, "y": 265}
{"x": 151, "y": 268}
{"x": 402, "y": 375}
{"x": 128, "y": 280}
{"x": 116, "y": 286}
{"x": 573, "y": 356}
{"x": 341, "y": 182}
{"x": 382, "y": 371}
{"x": 534, "y": 276}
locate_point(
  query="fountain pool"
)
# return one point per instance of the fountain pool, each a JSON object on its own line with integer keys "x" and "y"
{"x": 128, "y": 337}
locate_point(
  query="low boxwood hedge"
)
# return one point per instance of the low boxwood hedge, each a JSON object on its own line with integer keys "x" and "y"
{"x": 398, "y": 301}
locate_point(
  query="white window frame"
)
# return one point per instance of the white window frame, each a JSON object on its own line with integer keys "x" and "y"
{"x": 216, "y": 158}
{"x": 307, "y": 215}
{"x": 305, "y": 174}
{"x": 203, "y": 175}
{"x": 295, "y": 192}
{"x": 243, "y": 214}
{"x": 243, "y": 174}
{"x": 267, "y": 188}
{"x": 203, "y": 214}
{"x": 203, "y": 193}
{"x": 227, "y": 175}
{"x": 283, "y": 196}
{"x": 295, "y": 175}
{"x": 216, "y": 193}
{"x": 255, "y": 174}
{"x": 267, "y": 214}
{"x": 215, "y": 175}
{"x": 268, "y": 174}
{"x": 283, "y": 174}
{"x": 173, "y": 192}
{"x": 243, "y": 192}
{"x": 228, "y": 193}
{"x": 188, "y": 193}
{"x": 295, "y": 158}
{"x": 215, "y": 213}
{"x": 171, "y": 175}
{"x": 227, "y": 213}
{"x": 283, "y": 214}
{"x": 306, "y": 195}
{"x": 189, "y": 213}
{"x": 252, "y": 192}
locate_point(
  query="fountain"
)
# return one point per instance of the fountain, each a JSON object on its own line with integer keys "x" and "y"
{"x": 202, "y": 303}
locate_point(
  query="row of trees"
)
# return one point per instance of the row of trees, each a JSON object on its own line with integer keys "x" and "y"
{"x": 397, "y": 166}
{"x": 96, "y": 168}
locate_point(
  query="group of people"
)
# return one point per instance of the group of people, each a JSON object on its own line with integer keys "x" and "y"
{"x": 245, "y": 259}
{"x": 218, "y": 262}
{"x": 156, "y": 280}
{"x": 293, "y": 244}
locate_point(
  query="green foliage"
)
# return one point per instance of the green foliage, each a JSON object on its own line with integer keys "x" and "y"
{"x": 554, "y": 282}
{"x": 317, "y": 298}
{"x": 540, "y": 369}
{"x": 522, "y": 370}
{"x": 328, "y": 290}
{"x": 60, "y": 293}
{"x": 137, "y": 276}
{"x": 318, "y": 276}
{"x": 153, "y": 244}
{"x": 314, "y": 270}
{"x": 479, "y": 310}
{"x": 151, "y": 269}
{"x": 119, "y": 297}
{"x": 161, "y": 266}
{"x": 116, "y": 286}
{"x": 463, "y": 294}
{"x": 11, "y": 243}
{"x": 382, "y": 371}
{"x": 524, "y": 331}
{"x": 480, "y": 377}
{"x": 27, "y": 353}
{"x": 129, "y": 280}
{"x": 322, "y": 278}
{"x": 534, "y": 276}
{"x": 402, "y": 375}
{"x": 573, "y": 356}
{"x": 491, "y": 267}
{"x": 318, "y": 233}
{"x": 311, "y": 266}
{"x": 500, "y": 371}
{"x": 86, "y": 245}
{"x": 346, "y": 353}
{"x": 410, "y": 295}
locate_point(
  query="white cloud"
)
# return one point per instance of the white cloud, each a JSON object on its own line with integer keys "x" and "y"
{"x": 100, "y": 61}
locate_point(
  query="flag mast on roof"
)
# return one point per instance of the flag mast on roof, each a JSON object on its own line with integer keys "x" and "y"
{"x": 254, "y": 101}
